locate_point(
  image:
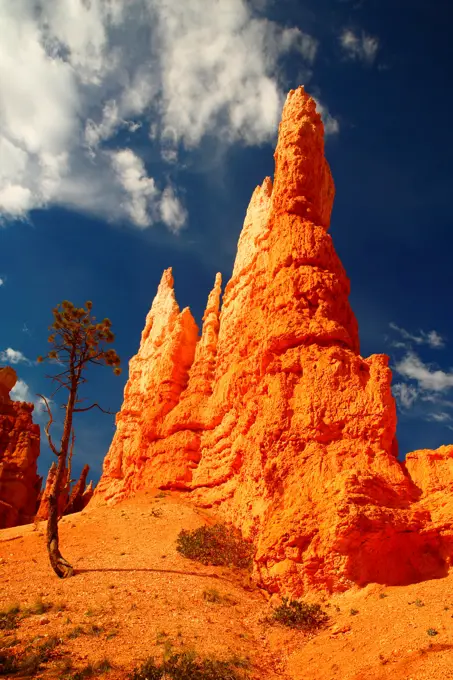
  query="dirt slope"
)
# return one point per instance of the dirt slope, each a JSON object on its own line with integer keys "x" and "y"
{"x": 134, "y": 596}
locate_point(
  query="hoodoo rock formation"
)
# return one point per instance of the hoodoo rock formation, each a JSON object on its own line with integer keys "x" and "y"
{"x": 69, "y": 501}
{"x": 19, "y": 451}
{"x": 272, "y": 416}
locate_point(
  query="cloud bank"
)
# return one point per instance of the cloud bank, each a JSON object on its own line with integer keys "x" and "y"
{"x": 80, "y": 79}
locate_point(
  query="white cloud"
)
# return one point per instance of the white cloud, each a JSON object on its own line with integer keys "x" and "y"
{"x": 173, "y": 213}
{"x": 140, "y": 189}
{"x": 74, "y": 73}
{"x": 21, "y": 392}
{"x": 13, "y": 356}
{"x": 428, "y": 378}
{"x": 331, "y": 124}
{"x": 2, "y": 281}
{"x": 362, "y": 47}
{"x": 431, "y": 338}
{"x": 406, "y": 395}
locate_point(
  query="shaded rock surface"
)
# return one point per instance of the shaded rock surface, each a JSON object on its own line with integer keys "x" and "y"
{"x": 272, "y": 416}
{"x": 19, "y": 451}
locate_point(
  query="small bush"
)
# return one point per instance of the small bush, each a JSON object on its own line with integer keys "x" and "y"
{"x": 95, "y": 630}
{"x": 76, "y": 632}
{"x": 29, "y": 663}
{"x": 216, "y": 545}
{"x": 8, "y": 617}
{"x": 91, "y": 670}
{"x": 296, "y": 614}
{"x": 419, "y": 603}
{"x": 432, "y": 632}
{"x": 39, "y": 607}
{"x": 212, "y": 595}
{"x": 353, "y": 611}
{"x": 187, "y": 667}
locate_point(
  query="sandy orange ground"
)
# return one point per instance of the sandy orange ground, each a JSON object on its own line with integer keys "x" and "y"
{"x": 133, "y": 584}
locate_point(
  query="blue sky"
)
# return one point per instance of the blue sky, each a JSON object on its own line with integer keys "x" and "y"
{"x": 132, "y": 135}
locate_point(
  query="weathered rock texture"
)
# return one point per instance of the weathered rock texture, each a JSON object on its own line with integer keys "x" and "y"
{"x": 272, "y": 416}
{"x": 69, "y": 501}
{"x": 19, "y": 451}
{"x": 76, "y": 501}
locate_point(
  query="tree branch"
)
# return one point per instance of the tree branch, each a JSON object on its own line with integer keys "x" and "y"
{"x": 80, "y": 410}
{"x": 47, "y": 427}
{"x": 71, "y": 451}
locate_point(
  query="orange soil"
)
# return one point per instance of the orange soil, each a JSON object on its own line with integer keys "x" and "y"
{"x": 131, "y": 581}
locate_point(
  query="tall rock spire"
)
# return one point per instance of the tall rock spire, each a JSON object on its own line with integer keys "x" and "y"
{"x": 303, "y": 182}
{"x": 202, "y": 371}
{"x": 158, "y": 374}
{"x": 283, "y": 426}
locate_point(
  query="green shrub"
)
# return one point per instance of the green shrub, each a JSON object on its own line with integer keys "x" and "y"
{"x": 8, "y": 617}
{"x": 216, "y": 545}
{"x": 91, "y": 670}
{"x": 28, "y": 664}
{"x": 296, "y": 614}
{"x": 186, "y": 666}
{"x": 213, "y": 596}
{"x": 432, "y": 632}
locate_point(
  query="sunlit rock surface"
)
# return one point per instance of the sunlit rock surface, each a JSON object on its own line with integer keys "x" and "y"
{"x": 272, "y": 416}
{"x": 19, "y": 451}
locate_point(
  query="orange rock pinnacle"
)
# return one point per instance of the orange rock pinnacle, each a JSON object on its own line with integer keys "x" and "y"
{"x": 19, "y": 451}
{"x": 272, "y": 416}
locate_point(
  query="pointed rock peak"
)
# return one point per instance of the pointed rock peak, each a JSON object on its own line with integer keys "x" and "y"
{"x": 261, "y": 195}
{"x": 166, "y": 292}
{"x": 300, "y": 105}
{"x": 8, "y": 378}
{"x": 163, "y": 310}
{"x": 167, "y": 281}
{"x": 303, "y": 184}
{"x": 213, "y": 304}
{"x": 266, "y": 187}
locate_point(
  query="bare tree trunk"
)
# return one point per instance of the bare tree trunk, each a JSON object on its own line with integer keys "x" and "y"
{"x": 61, "y": 567}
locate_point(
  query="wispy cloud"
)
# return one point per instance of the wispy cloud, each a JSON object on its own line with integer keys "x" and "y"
{"x": 423, "y": 387}
{"x": 359, "y": 46}
{"x": 441, "y": 417}
{"x": 94, "y": 69}
{"x": 431, "y": 338}
{"x": 2, "y": 281}
{"x": 426, "y": 376}
{"x": 406, "y": 395}
{"x": 13, "y": 356}
{"x": 331, "y": 124}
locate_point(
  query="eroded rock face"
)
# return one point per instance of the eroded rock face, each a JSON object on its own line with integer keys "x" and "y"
{"x": 272, "y": 416}
{"x": 19, "y": 451}
{"x": 77, "y": 501}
